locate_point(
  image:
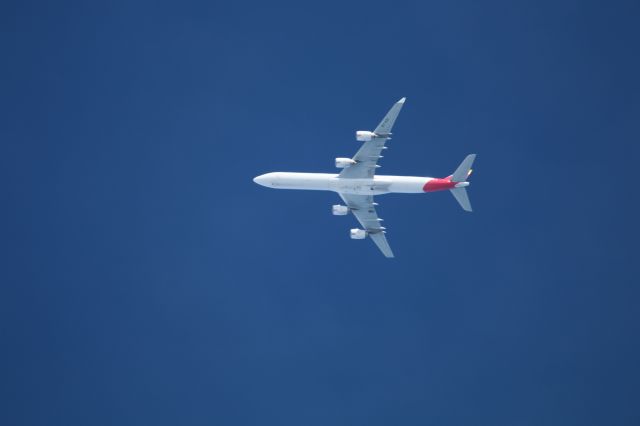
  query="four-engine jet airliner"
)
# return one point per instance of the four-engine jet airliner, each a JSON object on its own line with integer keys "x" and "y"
{"x": 357, "y": 183}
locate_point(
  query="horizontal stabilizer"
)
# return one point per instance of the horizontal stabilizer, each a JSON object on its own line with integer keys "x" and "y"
{"x": 460, "y": 194}
{"x": 464, "y": 169}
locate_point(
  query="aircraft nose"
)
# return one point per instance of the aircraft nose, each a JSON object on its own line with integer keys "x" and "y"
{"x": 261, "y": 180}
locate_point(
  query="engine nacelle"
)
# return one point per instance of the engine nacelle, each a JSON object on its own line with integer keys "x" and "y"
{"x": 341, "y": 163}
{"x": 365, "y": 135}
{"x": 339, "y": 210}
{"x": 358, "y": 234}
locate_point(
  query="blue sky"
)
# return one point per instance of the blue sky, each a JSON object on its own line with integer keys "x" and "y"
{"x": 148, "y": 280}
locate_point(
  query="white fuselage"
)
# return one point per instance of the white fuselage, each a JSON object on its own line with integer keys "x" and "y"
{"x": 332, "y": 182}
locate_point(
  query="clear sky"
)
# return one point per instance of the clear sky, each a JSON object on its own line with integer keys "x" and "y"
{"x": 147, "y": 280}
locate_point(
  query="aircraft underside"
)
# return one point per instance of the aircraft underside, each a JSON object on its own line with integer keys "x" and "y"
{"x": 332, "y": 182}
{"x": 357, "y": 183}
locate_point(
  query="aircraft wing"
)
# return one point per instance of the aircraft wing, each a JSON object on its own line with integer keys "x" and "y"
{"x": 367, "y": 156}
{"x": 363, "y": 208}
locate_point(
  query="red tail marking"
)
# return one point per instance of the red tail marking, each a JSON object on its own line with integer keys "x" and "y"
{"x": 437, "y": 184}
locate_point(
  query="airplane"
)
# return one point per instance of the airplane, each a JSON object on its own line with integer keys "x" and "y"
{"x": 357, "y": 183}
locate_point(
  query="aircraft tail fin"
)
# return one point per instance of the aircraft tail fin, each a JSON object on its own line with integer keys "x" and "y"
{"x": 460, "y": 194}
{"x": 461, "y": 174}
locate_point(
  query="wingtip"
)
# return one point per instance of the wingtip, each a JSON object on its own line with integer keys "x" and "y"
{"x": 401, "y": 101}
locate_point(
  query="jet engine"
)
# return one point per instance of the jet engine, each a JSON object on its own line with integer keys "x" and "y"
{"x": 341, "y": 163}
{"x": 358, "y": 234}
{"x": 339, "y": 210}
{"x": 364, "y": 135}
